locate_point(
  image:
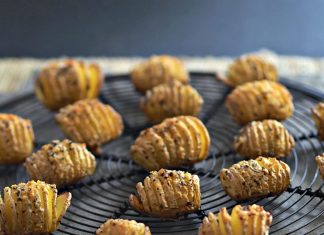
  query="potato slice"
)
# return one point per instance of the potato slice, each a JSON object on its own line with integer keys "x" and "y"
{"x": 62, "y": 204}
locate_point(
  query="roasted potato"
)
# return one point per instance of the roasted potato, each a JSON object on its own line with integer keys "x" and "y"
{"x": 255, "y": 178}
{"x": 90, "y": 122}
{"x": 64, "y": 82}
{"x": 32, "y": 208}
{"x": 248, "y": 69}
{"x": 244, "y": 220}
{"x": 267, "y": 138}
{"x": 318, "y": 116}
{"x": 61, "y": 163}
{"x": 158, "y": 70}
{"x": 320, "y": 164}
{"x": 177, "y": 141}
{"x": 169, "y": 100}
{"x": 167, "y": 194}
{"x": 255, "y": 101}
{"x": 123, "y": 227}
{"x": 17, "y": 139}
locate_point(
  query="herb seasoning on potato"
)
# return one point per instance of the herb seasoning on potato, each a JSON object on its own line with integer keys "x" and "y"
{"x": 123, "y": 227}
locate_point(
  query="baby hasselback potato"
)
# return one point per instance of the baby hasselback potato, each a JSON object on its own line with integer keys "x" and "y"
{"x": 64, "y": 82}
{"x": 17, "y": 139}
{"x": 318, "y": 116}
{"x": 157, "y": 70}
{"x": 320, "y": 164}
{"x": 32, "y": 208}
{"x": 61, "y": 163}
{"x": 249, "y": 68}
{"x": 255, "y": 178}
{"x": 267, "y": 138}
{"x": 167, "y": 194}
{"x": 259, "y": 100}
{"x": 90, "y": 122}
{"x": 123, "y": 227}
{"x": 176, "y": 141}
{"x": 169, "y": 100}
{"x": 244, "y": 220}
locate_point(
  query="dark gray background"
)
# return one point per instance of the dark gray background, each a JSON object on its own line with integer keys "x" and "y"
{"x": 43, "y": 28}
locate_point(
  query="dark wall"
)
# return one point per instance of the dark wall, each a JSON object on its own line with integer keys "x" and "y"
{"x": 45, "y": 28}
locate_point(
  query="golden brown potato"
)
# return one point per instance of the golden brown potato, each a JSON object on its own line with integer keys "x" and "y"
{"x": 267, "y": 138}
{"x": 178, "y": 141}
{"x": 123, "y": 227}
{"x": 259, "y": 100}
{"x": 320, "y": 164}
{"x": 157, "y": 70}
{"x": 90, "y": 122}
{"x": 169, "y": 100}
{"x": 318, "y": 116}
{"x": 248, "y": 69}
{"x": 167, "y": 194}
{"x": 16, "y": 139}
{"x": 32, "y": 208}
{"x": 255, "y": 178}
{"x": 244, "y": 220}
{"x": 61, "y": 163}
{"x": 64, "y": 82}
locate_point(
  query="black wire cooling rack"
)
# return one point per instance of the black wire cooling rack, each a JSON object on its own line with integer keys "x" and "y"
{"x": 104, "y": 195}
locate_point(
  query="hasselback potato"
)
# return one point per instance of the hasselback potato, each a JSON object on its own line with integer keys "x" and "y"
{"x": 267, "y": 138}
{"x": 64, "y": 82}
{"x": 123, "y": 227}
{"x": 157, "y": 70}
{"x": 169, "y": 100}
{"x": 167, "y": 194}
{"x": 259, "y": 100}
{"x": 255, "y": 178}
{"x": 249, "y": 68}
{"x": 61, "y": 163}
{"x": 244, "y": 220}
{"x": 320, "y": 164}
{"x": 177, "y": 141}
{"x": 318, "y": 116}
{"x": 90, "y": 122}
{"x": 32, "y": 208}
{"x": 17, "y": 139}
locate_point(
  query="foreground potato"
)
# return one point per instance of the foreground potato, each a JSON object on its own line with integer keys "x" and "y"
{"x": 247, "y": 220}
{"x": 320, "y": 164}
{"x": 259, "y": 100}
{"x": 318, "y": 116}
{"x": 90, "y": 122}
{"x": 255, "y": 178}
{"x": 32, "y": 208}
{"x": 158, "y": 70}
{"x": 177, "y": 141}
{"x": 267, "y": 138}
{"x": 61, "y": 163}
{"x": 64, "y": 82}
{"x": 17, "y": 139}
{"x": 248, "y": 69}
{"x": 169, "y": 100}
{"x": 123, "y": 227}
{"x": 167, "y": 194}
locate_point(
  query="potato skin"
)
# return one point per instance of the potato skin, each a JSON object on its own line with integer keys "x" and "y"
{"x": 259, "y": 100}
{"x": 248, "y": 69}
{"x": 64, "y": 82}
{"x": 320, "y": 164}
{"x": 267, "y": 138}
{"x": 247, "y": 220}
{"x": 255, "y": 178}
{"x": 90, "y": 122}
{"x": 167, "y": 194}
{"x": 157, "y": 70}
{"x": 61, "y": 163}
{"x": 178, "y": 141}
{"x": 318, "y": 116}
{"x": 32, "y": 208}
{"x": 16, "y": 139}
{"x": 169, "y": 100}
{"x": 123, "y": 227}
